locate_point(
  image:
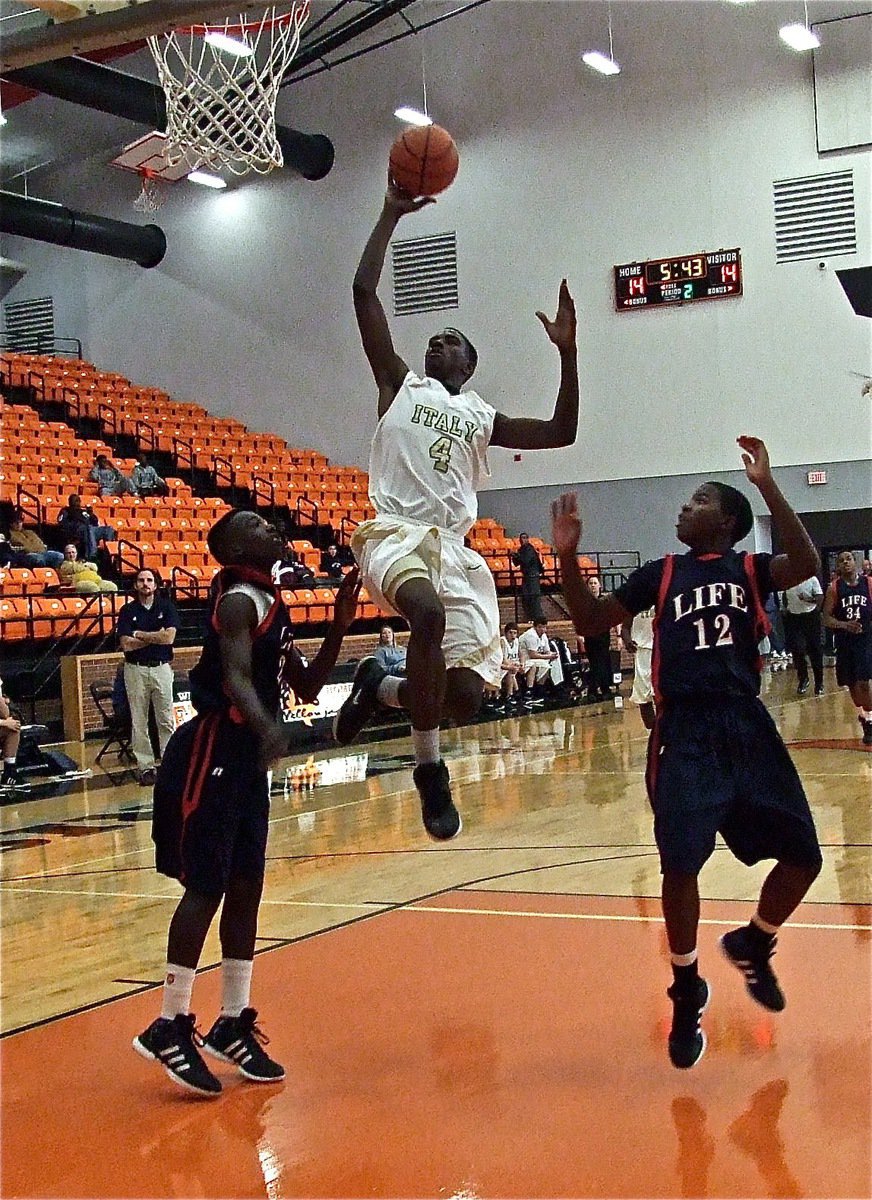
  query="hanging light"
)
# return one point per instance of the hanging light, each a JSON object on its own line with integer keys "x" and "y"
{"x": 412, "y": 116}
{"x": 604, "y": 63}
{"x": 234, "y": 46}
{"x": 800, "y": 37}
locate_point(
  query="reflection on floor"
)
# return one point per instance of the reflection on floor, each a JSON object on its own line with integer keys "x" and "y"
{"x": 482, "y": 1018}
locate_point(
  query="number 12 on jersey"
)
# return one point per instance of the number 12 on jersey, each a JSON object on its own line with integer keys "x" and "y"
{"x": 722, "y": 630}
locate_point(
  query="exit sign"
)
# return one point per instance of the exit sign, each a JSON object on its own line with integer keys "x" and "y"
{"x": 814, "y": 477}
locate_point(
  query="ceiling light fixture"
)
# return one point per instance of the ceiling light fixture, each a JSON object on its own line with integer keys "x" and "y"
{"x": 229, "y": 45}
{"x": 412, "y": 116}
{"x": 800, "y": 37}
{"x": 604, "y": 63}
{"x": 206, "y": 180}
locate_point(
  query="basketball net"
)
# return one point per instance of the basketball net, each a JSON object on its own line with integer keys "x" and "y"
{"x": 221, "y": 107}
{"x": 150, "y": 196}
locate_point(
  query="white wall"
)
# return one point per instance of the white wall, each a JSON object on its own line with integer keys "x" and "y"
{"x": 562, "y": 172}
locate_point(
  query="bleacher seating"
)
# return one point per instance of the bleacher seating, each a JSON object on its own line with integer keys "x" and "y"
{"x": 43, "y": 462}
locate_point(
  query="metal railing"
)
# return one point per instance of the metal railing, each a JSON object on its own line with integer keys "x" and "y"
{"x": 40, "y": 343}
{"x": 28, "y": 504}
{"x": 132, "y": 565}
{"x": 307, "y": 511}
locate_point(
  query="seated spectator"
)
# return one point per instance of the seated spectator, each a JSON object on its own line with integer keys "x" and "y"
{"x": 293, "y": 572}
{"x": 80, "y": 575}
{"x": 389, "y": 656}
{"x": 78, "y": 524}
{"x": 30, "y": 544}
{"x": 332, "y": 563}
{"x": 109, "y": 479}
{"x": 145, "y": 479}
{"x": 511, "y": 665}
{"x": 539, "y": 661}
{"x": 10, "y": 737}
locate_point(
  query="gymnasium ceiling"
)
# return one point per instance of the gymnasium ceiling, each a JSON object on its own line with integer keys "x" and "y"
{"x": 45, "y": 133}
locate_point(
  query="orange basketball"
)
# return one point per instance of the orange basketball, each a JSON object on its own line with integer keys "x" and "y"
{"x": 424, "y": 160}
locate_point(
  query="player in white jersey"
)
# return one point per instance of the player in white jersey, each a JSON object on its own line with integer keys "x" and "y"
{"x": 428, "y": 455}
{"x": 638, "y": 637}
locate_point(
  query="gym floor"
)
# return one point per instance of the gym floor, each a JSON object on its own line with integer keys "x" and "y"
{"x": 482, "y": 1018}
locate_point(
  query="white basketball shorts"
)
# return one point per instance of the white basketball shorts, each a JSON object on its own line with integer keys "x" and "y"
{"x": 391, "y": 551}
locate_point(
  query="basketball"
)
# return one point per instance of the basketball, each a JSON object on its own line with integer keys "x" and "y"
{"x": 424, "y": 160}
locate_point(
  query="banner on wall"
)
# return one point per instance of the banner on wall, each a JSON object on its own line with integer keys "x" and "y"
{"x": 292, "y": 711}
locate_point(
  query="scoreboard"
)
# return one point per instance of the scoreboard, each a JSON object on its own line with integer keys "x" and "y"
{"x": 678, "y": 280}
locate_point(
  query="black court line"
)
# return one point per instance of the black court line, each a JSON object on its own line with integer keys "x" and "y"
{"x": 140, "y": 982}
{"x": 282, "y": 943}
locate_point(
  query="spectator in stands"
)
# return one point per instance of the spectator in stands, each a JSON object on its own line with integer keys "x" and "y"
{"x": 145, "y": 479}
{"x": 80, "y": 575}
{"x": 78, "y": 524}
{"x": 30, "y": 544}
{"x": 10, "y": 737}
{"x": 331, "y": 562}
{"x": 527, "y": 558}
{"x": 146, "y": 629}
{"x": 539, "y": 660}
{"x": 293, "y": 572}
{"x": 867, "y": 567}
{"x": 109, "y": 479}
{"x": 389, "y": 656}
{"x": 511, "y": 665}
{"x": 598, "y": 652}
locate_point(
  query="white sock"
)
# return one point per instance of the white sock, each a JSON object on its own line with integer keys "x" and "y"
{"x": 10, "y": 762}
{"x": 178, "y": 985}
{"x": 426, "y": 745}
{"x": 235, "y": 985}
{"x": 389, "y": 691}
{"x": 683, "y": 960}
{"x": 865, "y": 715}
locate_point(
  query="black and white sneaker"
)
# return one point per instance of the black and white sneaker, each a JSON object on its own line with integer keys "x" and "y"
{"x": 753, "y": 961}
{"x": 361, "y": 704}
{"x": 866, "y": 726}
{"x": 173, "y": 1043}
{"x": 240, "y": 1040}
{"x": 441, "y": 819}
{"x": 687, "y": 1042}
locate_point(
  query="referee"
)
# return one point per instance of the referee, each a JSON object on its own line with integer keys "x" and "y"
{"x": 146, "y": 630}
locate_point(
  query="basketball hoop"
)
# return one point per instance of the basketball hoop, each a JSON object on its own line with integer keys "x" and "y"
{"x": 221, "y": 84}
{"x": 150, "y": 196}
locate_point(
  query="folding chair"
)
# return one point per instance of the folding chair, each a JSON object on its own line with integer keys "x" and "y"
{"x": 116, "y": 728}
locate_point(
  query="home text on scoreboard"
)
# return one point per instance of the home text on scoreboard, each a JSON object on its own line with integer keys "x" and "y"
{"x": 678, "y": 280}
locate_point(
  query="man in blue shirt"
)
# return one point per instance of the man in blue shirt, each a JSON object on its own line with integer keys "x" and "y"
{"x": 146, "y": 630}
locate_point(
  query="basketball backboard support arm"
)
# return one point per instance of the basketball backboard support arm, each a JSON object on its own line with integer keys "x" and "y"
{"x": 94, "y": 85}
{"x": 101, "y": 30}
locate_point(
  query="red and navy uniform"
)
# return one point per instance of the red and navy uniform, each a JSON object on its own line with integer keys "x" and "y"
{"x": 853, "y": 602}
{"x": 716, "y": 762}
{"x": 211, "y": 798}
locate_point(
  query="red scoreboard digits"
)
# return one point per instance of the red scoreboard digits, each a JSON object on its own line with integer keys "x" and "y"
{"x": 678, "y": 280}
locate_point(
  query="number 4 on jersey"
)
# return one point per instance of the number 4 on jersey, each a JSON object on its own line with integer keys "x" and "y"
{"x": 440, "y": 452}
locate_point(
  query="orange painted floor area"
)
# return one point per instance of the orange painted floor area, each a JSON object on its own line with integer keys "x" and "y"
{"x": 478, "y": 1044}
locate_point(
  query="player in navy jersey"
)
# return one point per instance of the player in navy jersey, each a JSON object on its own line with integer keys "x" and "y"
{"x": 716, "y": 763}
{"x": 848, "y": 612}
{"x": 211, "y": 798}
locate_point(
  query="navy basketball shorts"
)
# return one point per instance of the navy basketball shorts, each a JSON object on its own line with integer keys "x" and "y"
{"x": 853, "y": 658}
{"x": 720, "y": 766}
{"x": 211, "y": 806}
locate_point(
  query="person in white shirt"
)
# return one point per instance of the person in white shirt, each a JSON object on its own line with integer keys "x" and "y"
{"x": 511, "y": 664}
{"x": 638, "y": 637}
{"x": 801, "y": 614}
{"x": 428, "y": 456}
{"x": 539, "y": 660}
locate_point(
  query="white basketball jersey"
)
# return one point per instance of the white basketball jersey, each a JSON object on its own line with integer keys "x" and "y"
{"x": 428, "y": 455}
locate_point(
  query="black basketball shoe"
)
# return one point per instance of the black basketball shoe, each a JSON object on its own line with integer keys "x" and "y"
{"x": 174, "y": 1045}
{"x": 866, "y": 726}
{"x": 240, "y": 1040}
{"x": 441, "y": 819}
{"x": 361, "y": 704}
{"x": 687, "y": 1042}
{"x": 752, "y": 959}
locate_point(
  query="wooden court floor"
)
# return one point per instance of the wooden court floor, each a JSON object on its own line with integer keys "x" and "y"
{"x": 480, "y": 1019}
